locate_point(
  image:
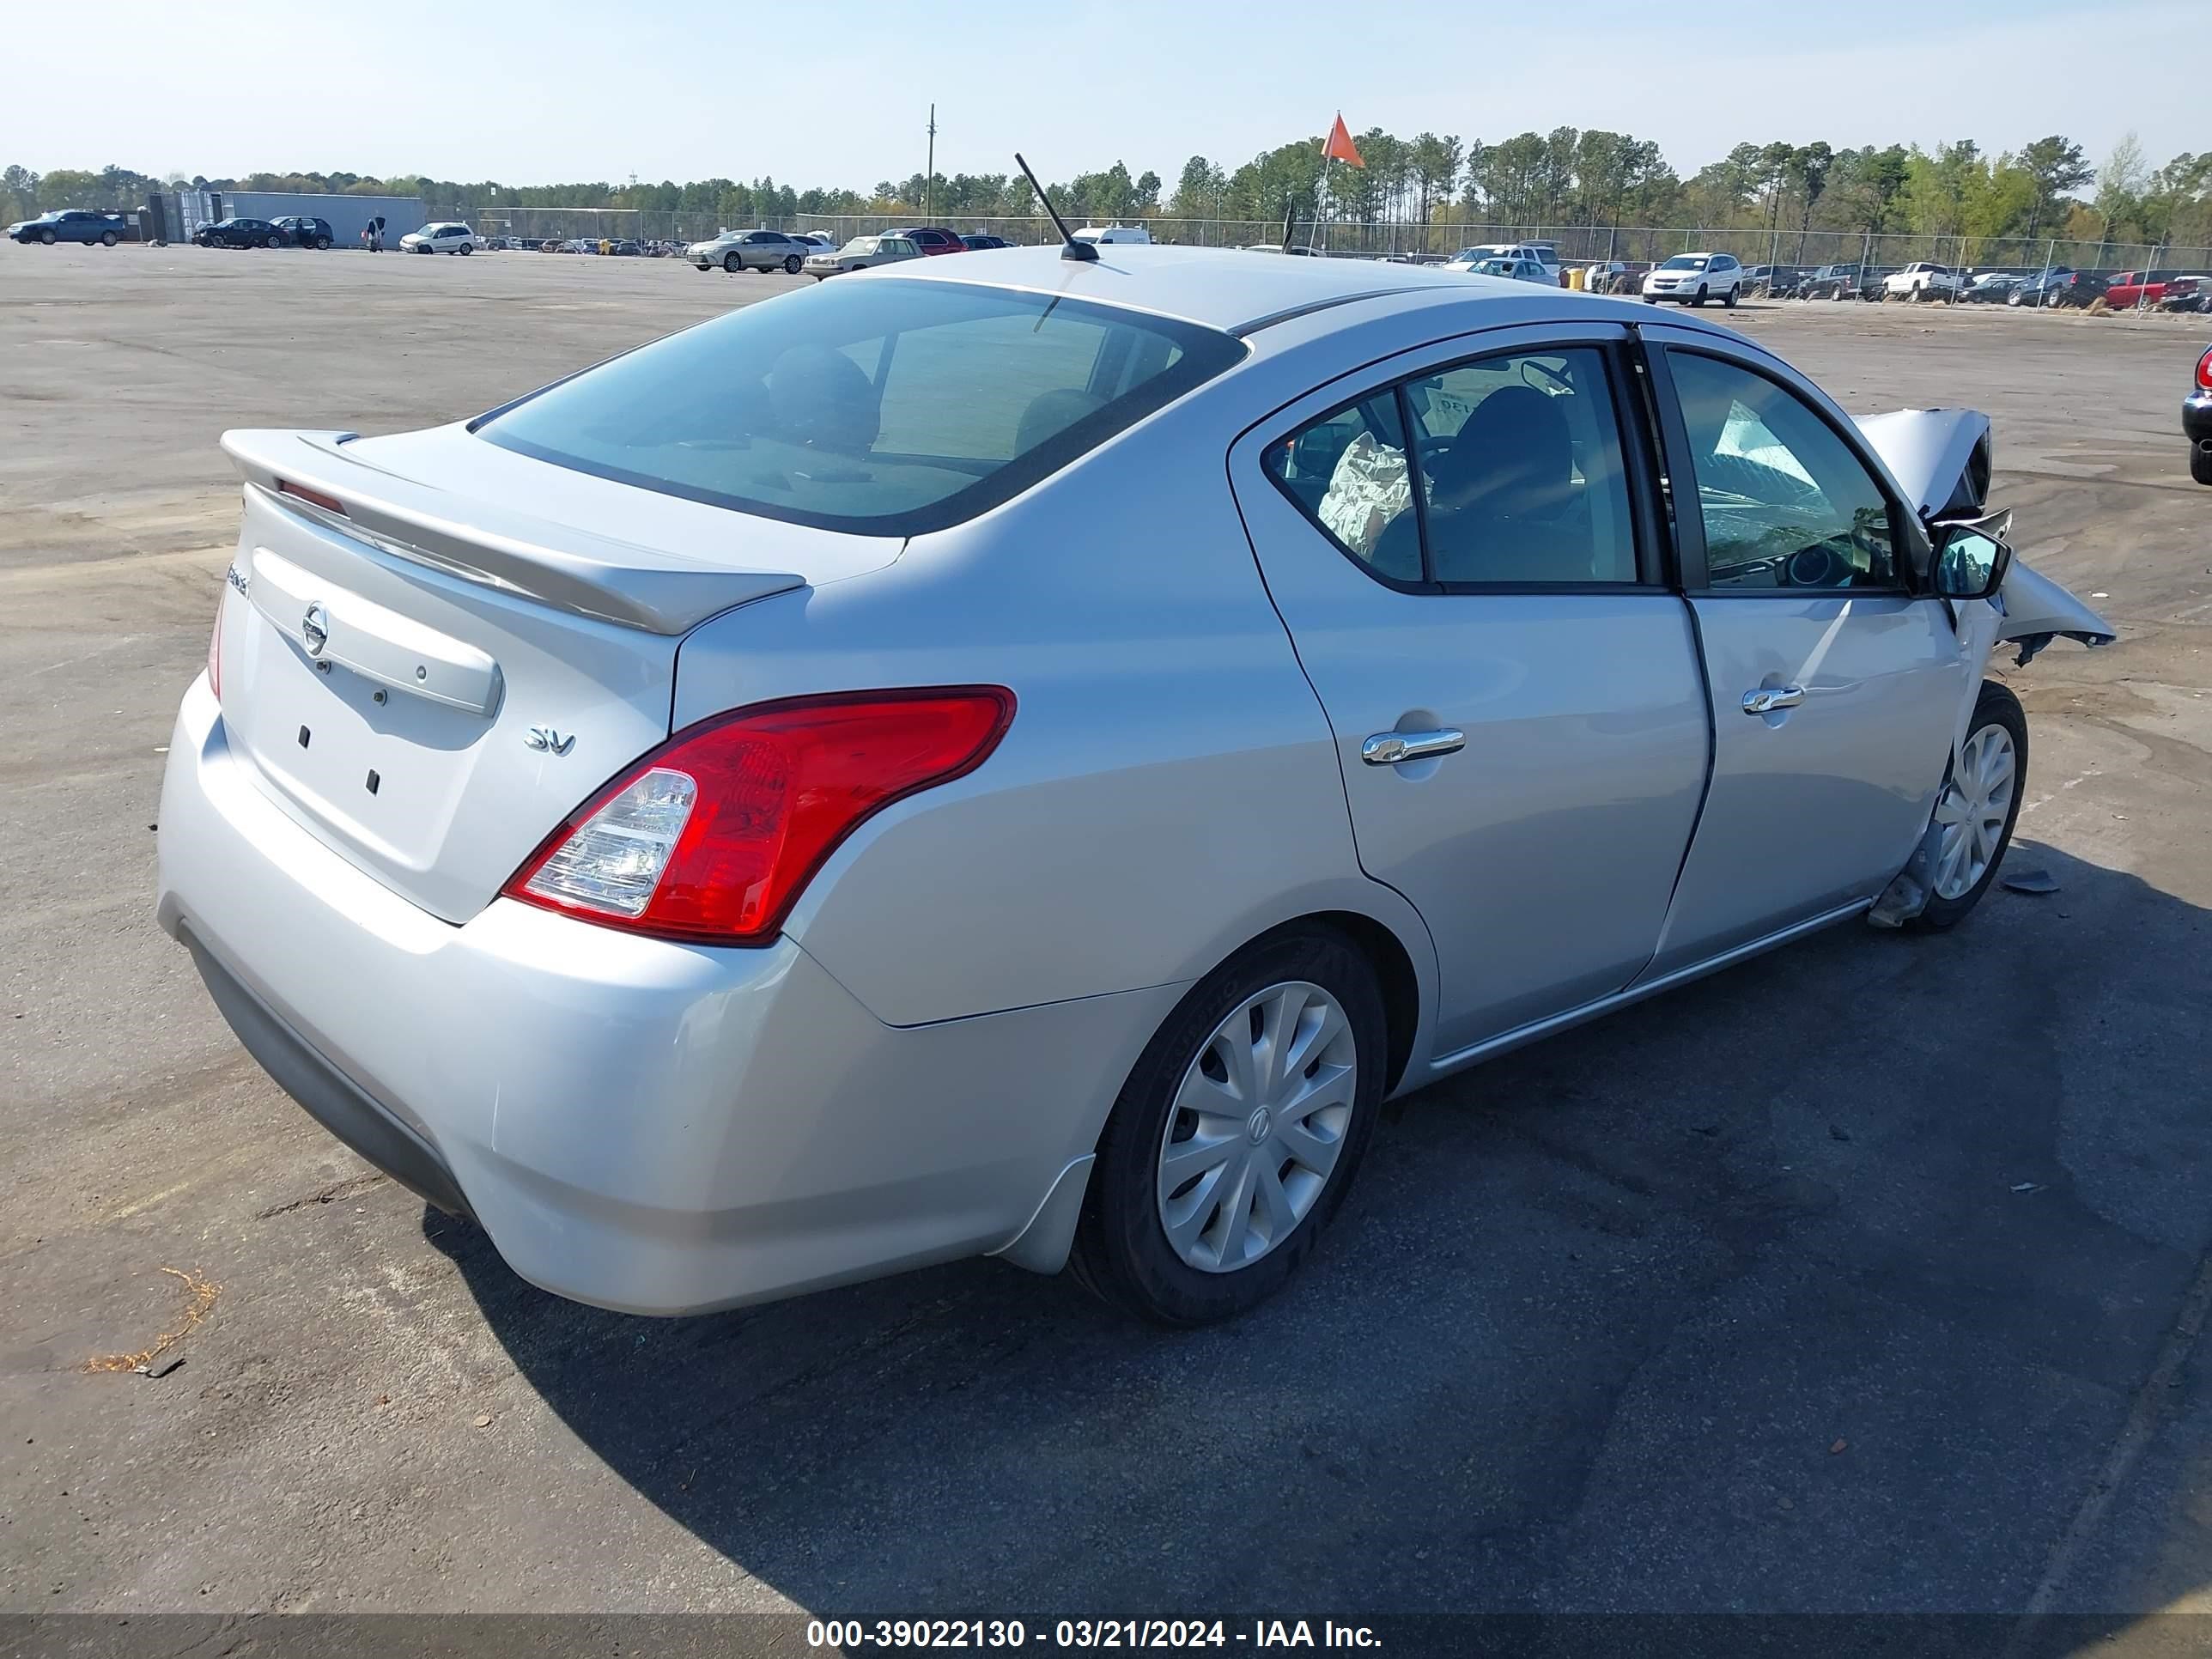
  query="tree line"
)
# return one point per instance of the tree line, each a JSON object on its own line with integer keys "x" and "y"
{"x": 1561, "y": 179}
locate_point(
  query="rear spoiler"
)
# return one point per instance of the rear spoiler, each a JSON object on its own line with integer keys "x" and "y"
{"x": 311, "y": 474}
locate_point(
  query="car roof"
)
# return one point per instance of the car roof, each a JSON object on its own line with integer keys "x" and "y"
{"x": 1227, "y": 289}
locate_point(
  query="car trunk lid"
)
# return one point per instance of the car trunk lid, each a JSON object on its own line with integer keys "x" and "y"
{"x": 427, "y": 672}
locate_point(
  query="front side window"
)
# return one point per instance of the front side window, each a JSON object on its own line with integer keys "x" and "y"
{"x": 1784, "y": 502}
{"x": 1518, "y": 461}
{"x": 888, "y": 407}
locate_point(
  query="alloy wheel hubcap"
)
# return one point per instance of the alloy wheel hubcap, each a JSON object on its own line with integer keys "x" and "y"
{"x": 1973, "y": 811}
{"x": 1256, "y": 1127}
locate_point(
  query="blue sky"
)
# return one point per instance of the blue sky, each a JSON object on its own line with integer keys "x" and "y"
{"x": 836, "y": 92}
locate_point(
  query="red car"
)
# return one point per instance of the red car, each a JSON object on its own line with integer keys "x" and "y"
{"x": 2127, "y": 287}
{"x": 933, "y": 239}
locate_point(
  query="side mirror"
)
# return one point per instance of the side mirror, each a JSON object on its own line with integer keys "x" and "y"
{"x": 1972, "y": 556}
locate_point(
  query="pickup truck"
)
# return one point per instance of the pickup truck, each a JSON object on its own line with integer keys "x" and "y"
{"x": 2128, "y": 287}
{"x": 1921, "y": 280}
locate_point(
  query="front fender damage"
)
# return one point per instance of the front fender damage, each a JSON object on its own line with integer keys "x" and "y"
{"x": 2030, "y": 610}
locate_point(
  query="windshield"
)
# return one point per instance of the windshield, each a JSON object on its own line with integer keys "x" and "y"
{"x": 1685, "y": 262}
{"x": 888, "y": 407}
{"x": 859, "y": 245}
{"x": 1493, "y": 267}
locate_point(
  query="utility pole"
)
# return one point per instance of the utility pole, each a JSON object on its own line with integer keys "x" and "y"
{"x": 929, "y": 171}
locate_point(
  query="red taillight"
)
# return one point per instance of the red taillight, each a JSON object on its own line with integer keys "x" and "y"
{"x": 2204, "y": 372}
{"x": 713, "y": 837}
{"x": 313, "y": 497}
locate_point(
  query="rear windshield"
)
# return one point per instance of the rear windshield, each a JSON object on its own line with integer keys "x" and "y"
{"x": 886, "y": 407}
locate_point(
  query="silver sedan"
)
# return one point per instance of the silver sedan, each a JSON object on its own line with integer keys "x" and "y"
{"x": 1026, "y": 762}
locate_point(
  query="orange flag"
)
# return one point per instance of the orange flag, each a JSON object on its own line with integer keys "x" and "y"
{"x": 1337, "y": 146}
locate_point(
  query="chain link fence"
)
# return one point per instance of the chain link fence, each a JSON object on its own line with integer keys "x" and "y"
{"x": 1576, "y": 244}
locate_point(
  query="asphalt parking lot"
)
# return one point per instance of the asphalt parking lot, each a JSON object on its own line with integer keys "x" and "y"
{"x": 1866, "y": 1278}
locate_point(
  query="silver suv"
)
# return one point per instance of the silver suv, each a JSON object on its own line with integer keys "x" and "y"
{"x": 734, "y": 251}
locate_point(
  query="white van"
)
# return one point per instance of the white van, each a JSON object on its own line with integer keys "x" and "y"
{"x": 1113, "y": 233}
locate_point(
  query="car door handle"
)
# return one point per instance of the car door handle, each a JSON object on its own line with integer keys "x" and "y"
{"x": 1768, "y": 698}
{"x": 1392, "y": 748}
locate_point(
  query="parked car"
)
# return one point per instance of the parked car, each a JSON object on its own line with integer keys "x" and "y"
{"x": 1774, "y": 281}
{"x": 2125, "y": 289}
{"x": 976, "y": 241}
{"x": 762, "y": 870}
{"x": 734, "y": 251}
{"x": 934, "y": 240}
{"x": 2056, "y": 287}
{"x": 815, "y": 241}
{"x": 861, "y": 253}
{"x": 304, "y": 230}
{"x": 1110, "y": 233}
{"x": 1921, "y": 280}
{"x": 242, "y": 232}
{"x": 446, "y": 236}
{"x": 2187, "y": 294}
{"x": 1468, "y": 257}
{"x": 1518, "y": 271}
{"x": 1837, "y": 282}
{"x": 1990, "y": 288}
{"x": 71, "y": 225}
{"x": 2030, "y": 289}
{"x": 1691, "y": 279}
{"x": 2078, "y": 289}
{"x": 2197, "y": 422}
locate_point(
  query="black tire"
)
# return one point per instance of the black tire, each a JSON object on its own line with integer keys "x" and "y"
{"x": 272, "y": 241}
{"x": 1995, "y": 706}
{"x": 322, "y": 244}
{"x": 1122, "y": 1250}
{"x": 2012, "y": 299}
{"x": 732, "y": 263}
{"x": 1729, "y": 300}
{"x": 463, "y": 250}
{"x": 2200, "y": 463}
{"x": 1699, "y": 298}
{"x": 45, "y": 239}
{"x": 791, "y": 264}
{"x": 107, "y": 239}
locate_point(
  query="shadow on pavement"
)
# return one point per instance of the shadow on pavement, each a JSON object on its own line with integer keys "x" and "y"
{"x": 1828, "y": 1284}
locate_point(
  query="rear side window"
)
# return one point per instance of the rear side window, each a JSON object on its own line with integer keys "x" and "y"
{"x": 1518, "y": 462}
{"x": 886, "y": 407}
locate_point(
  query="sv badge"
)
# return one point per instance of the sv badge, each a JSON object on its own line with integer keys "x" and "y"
{"x": 545, "y": 738}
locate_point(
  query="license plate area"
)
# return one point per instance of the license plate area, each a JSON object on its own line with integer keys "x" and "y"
{"x": 383, "y": 769}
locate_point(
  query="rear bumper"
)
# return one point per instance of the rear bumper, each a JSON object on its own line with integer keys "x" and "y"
{"x": 645, "y": 1125}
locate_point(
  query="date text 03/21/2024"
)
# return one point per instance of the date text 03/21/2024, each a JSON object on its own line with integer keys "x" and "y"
{"x": 850, "y": 1634}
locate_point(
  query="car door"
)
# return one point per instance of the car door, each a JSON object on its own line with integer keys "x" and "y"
{"x": 1520, "y": 721}
{"x": 1835, "y": 687}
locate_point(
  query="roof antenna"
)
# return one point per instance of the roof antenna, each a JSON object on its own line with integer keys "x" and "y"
{"x": 1073, "y": 249}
